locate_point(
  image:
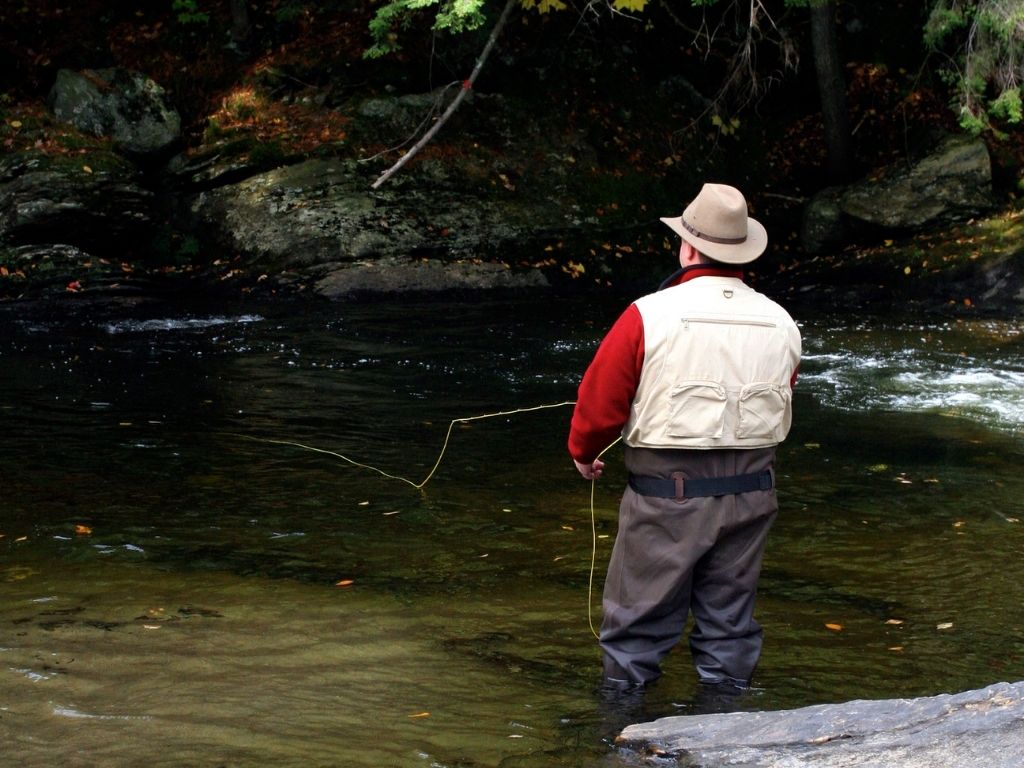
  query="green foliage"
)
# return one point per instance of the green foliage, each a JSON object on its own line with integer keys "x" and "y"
{"x": 452, "y": 16}
{"x": 983, "y": 41}
{"x": 75, "y": 141}
{"x": 213, "y": 131}
{"x": 188, "y": 12}
{"x": 1007, "y": 106}
{"x": 172, "y": 246}
{"x": 786, "y": 3}
{"x": 267, "y": 154}
{"x": 942, "y": 23}
{"x": 289, "y": 11}
{"x": 725, "y": 127}
{"x": 971, "y": 123}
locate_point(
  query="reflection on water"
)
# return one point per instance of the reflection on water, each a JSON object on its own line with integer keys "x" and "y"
{"x": 175, "y": 593}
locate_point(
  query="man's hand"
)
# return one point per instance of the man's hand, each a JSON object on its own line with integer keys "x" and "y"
{"x": 590, "y": 471}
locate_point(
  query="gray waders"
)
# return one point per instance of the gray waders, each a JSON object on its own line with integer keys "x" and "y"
{"x": 673, "y": 556}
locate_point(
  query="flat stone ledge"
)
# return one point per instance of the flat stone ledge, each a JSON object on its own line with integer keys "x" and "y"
{"x": 982, "y": 728}
{"x": 395, "y": 276}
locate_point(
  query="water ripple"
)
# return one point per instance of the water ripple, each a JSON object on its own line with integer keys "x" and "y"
{"x": 176, "y": 323}
{"x": 971, "y": 371}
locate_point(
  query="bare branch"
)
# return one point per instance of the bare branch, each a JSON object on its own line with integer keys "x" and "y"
{"x": 742, "y": 82}
{"x": 459, "y": 98}
{"x": 433, "y": 111}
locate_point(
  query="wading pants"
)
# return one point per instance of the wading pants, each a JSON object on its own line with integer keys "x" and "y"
{"x": 673, "y": 557}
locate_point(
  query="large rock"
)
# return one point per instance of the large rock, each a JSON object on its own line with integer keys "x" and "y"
{"x": 393, "y": 119}
{"x": 410, "y": 276}
{"x": 823, "y": 227}
{"x": 976, "y": 728}
{"x": 93, "y": 201}
{"x": 117, "y": 103}
{"x": 321, "y": 220}
{"x": 952, "y": 182}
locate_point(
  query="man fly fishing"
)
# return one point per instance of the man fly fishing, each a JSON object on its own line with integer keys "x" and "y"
{"x": 697, "y": 379}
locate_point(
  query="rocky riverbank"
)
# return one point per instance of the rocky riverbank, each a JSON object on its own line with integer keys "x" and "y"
{"x": 98, "y": 193}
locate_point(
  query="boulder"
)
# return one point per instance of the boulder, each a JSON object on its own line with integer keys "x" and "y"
{"x": 823, "y": 228}
{"x": 123, "y": 105}
{"x": 93, "y": 201}
{"x": 977, "y": 728}
{"x": 951, "y": 183}
{"x": 394, "y": 119}
{"x": 320, "y": 220}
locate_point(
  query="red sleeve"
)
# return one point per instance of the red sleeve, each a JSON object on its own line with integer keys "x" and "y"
{"x": 607, "y": 389}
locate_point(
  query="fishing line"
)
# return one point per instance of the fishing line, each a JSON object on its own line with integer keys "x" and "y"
{"x": 440, "y": 457}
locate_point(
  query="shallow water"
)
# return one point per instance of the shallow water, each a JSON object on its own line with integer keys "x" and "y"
{"x": 176, "y": 592}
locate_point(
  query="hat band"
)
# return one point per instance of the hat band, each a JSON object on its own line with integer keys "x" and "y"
{"x": 711, "y": 238}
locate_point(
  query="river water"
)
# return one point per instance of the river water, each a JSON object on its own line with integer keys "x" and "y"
{"x": 183, "y": 583}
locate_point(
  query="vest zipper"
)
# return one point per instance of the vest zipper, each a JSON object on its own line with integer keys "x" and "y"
{"x": 728, "y": 321}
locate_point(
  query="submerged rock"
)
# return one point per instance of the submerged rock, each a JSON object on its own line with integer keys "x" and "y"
{"x": 976, "y": 728}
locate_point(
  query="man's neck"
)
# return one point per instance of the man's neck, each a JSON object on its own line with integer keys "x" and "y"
{"x": 693, "y": 271}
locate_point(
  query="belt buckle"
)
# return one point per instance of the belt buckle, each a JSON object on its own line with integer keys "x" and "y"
{"x": 680, "y": 481}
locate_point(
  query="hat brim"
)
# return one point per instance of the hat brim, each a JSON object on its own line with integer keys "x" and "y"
{"x": 727, "y": 253}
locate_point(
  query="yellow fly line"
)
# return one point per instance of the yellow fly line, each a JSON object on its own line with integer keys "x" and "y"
{"x": 593, "y": 547}
{"x": 440, "y": 457}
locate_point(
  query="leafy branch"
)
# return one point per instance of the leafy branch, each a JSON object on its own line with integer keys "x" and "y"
{"x": 983, "y": 45}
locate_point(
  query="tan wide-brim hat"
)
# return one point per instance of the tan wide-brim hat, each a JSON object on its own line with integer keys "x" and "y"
{"x": 716, "y": 224}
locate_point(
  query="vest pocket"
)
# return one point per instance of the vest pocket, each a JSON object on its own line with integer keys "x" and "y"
{"x": 762, "y": 408}
{"x": 697, "y": 409}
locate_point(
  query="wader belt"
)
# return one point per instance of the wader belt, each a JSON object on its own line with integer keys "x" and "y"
{"x": 679, "y": 487}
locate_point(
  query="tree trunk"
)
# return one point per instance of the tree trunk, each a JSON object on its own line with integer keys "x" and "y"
{"x": 831, "y": 89}
{"x": 240, "y": 25}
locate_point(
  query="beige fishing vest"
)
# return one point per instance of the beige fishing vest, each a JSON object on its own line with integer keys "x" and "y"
{"x": 718, "y": 361}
